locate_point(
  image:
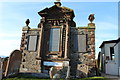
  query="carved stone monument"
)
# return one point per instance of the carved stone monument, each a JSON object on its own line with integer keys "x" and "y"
{"x": 57, "y": 42}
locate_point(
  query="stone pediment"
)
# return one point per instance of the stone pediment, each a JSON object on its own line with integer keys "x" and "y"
{"x": 57, "y": 12}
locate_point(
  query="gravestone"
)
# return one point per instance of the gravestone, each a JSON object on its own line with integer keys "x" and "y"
{"x": 0, "y": 68}
{"x": 82, "y": 71}
{"x": 56, "y": 77}
{"x": 13, "y": 64}
{"x": 4, "y": 65}
{"x": 68, "y": 73}
{"x": 52, "y": 71}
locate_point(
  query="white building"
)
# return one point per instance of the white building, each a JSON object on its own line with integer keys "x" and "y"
{"x": 109, "y": 57}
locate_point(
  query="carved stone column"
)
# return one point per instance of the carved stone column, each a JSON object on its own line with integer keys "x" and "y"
{"x": 40, "y": 40}
{"x": 66, "y": 40}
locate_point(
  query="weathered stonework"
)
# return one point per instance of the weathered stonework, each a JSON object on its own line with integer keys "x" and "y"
{"x": 29, "y": 63}
{"x": 83, "y": 58}
{"x": 4, "y": 65}
{"x": 1, "y": 63}
{"x": 75, "y": 46}
{"x": 82, "y": 71}
{"x": 13, "y": 63}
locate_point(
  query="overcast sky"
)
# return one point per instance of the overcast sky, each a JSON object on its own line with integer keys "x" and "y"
{"x": 14, "y": 14}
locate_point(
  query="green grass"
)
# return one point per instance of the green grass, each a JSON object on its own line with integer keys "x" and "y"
{"x": 95, "y": 78}
{"x": 23, "y": 79}
{"x": 30, "y": 77}
{"x": 91, "y": 78}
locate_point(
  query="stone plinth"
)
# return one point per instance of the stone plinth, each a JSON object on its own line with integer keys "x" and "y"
{"x": 26, "y": 28}
{"x": 91, "y": 25}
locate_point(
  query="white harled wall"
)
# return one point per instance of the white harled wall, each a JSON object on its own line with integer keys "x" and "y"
{"x": 117, "y": 56}
{"x": 111, "y": 66}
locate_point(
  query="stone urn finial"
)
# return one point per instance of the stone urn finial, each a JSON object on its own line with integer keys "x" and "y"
{"x": 25, "y": 28}
{"x": 91, "y": 17}
{"x": 27, "y": 22}
{"x": 57, "y": 3}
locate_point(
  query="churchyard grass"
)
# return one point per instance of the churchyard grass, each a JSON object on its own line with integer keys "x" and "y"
{"x": 91, "y": 78}
{"x": 23, "y": 79}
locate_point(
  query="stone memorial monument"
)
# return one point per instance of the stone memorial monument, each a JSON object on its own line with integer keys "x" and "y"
{"x": 57, "y": 42}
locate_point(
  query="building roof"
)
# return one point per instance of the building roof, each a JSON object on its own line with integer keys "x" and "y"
{"x": 111, "y": 41}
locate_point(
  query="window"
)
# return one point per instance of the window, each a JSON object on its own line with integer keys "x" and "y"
{"x": 112, "y": 55}
{"x": 79, "y": 43}
{"x": 32, "y": 43}
{"x": 54, "y": 39}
